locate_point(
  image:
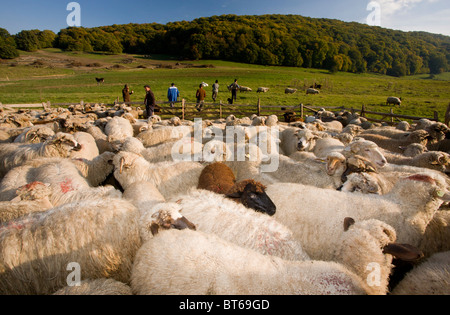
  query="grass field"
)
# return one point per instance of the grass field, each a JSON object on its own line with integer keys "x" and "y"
{"x": 60, "y": 77}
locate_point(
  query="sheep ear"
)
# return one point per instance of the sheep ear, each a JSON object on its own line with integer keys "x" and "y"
{"x": 348, "y": 222}
{"x": 403, "y": 252}
{"x": 154, "y": 228}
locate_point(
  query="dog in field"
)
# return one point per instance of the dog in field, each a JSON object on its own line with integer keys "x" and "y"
{"x": 100, "y": 80}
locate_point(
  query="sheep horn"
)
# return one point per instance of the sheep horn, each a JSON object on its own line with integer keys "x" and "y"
{"x": 122, "y": 162}
{"x": 403, "y": 252}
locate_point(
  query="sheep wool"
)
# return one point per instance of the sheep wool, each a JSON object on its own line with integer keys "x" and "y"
{"x": 214, "y": 213}
{"x": 100, "y": 235}
{"x": 429, "y": 278}
{"x": 97, "y": 287}
{"x": 196, "y": 263}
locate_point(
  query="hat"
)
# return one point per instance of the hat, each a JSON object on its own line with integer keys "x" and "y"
{"x": 145, "y": 86}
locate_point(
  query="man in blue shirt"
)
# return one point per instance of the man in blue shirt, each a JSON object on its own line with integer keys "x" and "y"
{"x": 173, "y": 94}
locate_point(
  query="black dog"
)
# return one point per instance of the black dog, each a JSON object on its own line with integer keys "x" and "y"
{"x": 100, "y": 80}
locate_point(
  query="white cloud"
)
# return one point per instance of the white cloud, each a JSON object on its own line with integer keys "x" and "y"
{"x": 391, "y": 7}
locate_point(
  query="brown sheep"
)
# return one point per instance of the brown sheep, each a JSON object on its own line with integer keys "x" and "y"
{"x": 219, "y": 178}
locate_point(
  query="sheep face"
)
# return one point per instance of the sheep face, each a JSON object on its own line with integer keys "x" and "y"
{"x": 306, "y": 141}
{"x": 440, "y": 161}
{"x": 368, "y": 150}
{"x": 64, "y": 143}
{"x": 336, "y": 163}
{"x": 252, "y": 195}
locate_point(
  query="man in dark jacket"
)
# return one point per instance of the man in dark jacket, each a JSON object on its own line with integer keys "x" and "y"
{"x": 149, "y": 101}
{"x": 201, "y": 94}
{"x": 126, "y": 94}
{"x": 234, "y": 87}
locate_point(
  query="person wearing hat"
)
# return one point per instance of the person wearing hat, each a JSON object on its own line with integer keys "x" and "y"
{"x": 126, "y": 94}
{"x": 149, "y": 101}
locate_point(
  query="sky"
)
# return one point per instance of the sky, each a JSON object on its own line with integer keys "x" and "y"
{"x": 407, "y": 15}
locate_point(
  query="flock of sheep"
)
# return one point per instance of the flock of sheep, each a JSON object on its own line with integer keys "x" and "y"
{"x": 99, "y": 201}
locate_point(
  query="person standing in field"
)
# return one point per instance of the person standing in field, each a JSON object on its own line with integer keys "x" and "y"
{"x": 234, "y": 87}
{"x": 215, "y": 90}
{"x": 172, "y": 94}
{"x": 149, "y": 101}
{"x": 126, "y": 94}
{"x": 200, "y": 95}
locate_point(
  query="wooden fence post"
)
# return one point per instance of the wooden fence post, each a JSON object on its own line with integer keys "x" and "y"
{"x": 392, "y": 115}
{"x": 220, "y": 109}
{"x": 259, "y": 106}
{"x": 363, "y": 111}
{"x": 183, "y": 104}
{"x": 301, "y": 111}
{"x": 436, "y": 116}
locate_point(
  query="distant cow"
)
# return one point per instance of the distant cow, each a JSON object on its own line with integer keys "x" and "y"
{"x": 100, "y": 80}
{"x": 394, "y": 100}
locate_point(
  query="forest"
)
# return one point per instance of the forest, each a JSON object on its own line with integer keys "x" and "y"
{"x": 286, "y": 40}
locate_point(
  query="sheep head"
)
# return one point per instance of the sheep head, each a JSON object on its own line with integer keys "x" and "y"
{"x": 370, "y": 244}
{"x": 439, "y": 161}
{"x": 166, "y": 216}
{"x": 252, "y": 195}
{"x": 63, "y": 143}
{"x": 366, "y": 149}
{"x": 336, "y": 162}
{"x": 306, "y": 140}
{"x": 362, "y": 183}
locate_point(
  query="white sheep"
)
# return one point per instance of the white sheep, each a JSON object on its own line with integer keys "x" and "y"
{"x": 196, "y": 263}
{"x": 310, "y": 171}
{"x": 312, "y": 91}
{"x": 408, "y": 207}
{"x": 394, "y": 100}
{"x": 182, "y": 150}
{"x": 214, "y": 213}
{"x": 13, "y": 154}
{"x": 100, "y": 236}
{"x": 431, "y": 277}
{"x": 437, "y": 234}
{"x": 169, "y": 177}
{"x": 272, "y": 121}
{"x": 68, "y": 181}
{"x": 434, "y": 160}
{"x": 294, "y": 139}
{"x": 160, "y": 135}
{"x": 30, "y": 198}
{"x": 89, "y": 149}
{"x": 35, "y": 134}
{"x": 395, "y": 145}
{"x": 262, "y": 90}
{"x": 96, "y": 287}
{"x": 117, "y": 130}
{"x": 290, "y": 91}
{"x": 244, "y": 89}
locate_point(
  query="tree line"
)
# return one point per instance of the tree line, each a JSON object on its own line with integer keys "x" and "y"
{"x": 287, "y": 40}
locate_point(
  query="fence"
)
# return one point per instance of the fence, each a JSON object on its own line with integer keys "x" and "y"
{"x": 188, "y": 111}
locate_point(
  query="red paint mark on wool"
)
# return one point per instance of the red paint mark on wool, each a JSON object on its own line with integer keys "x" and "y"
{"x": 422, "y": 178}
{"x": 66, "y": 186}
{"x": 32, "y": 185}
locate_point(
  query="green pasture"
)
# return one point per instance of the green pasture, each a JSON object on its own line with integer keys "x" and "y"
{"x": 25, "y": 83}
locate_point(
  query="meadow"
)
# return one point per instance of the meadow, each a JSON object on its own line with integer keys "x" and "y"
{"x": 60, "y": 77}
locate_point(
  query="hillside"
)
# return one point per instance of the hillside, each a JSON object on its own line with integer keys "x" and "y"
{"x": 65, "y": 77}
{"x": 284, "y": 40}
